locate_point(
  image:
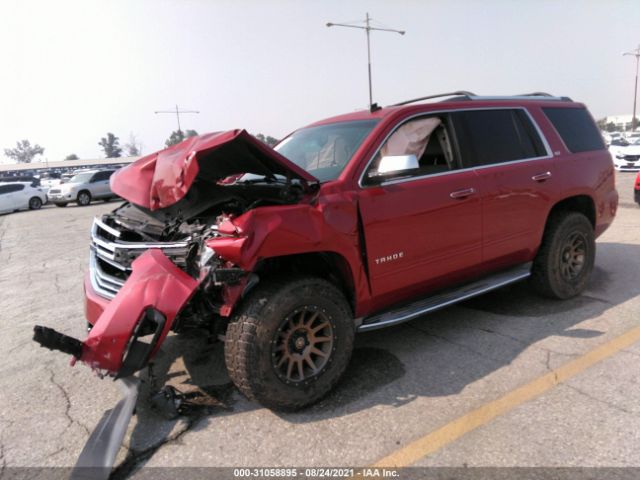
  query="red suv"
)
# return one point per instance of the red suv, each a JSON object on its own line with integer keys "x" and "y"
{"x": 353, "y": 223}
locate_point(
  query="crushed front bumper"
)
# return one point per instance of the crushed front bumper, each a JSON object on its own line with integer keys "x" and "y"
{"x": 147, "y": 303}
{"x": 128, "y": 330}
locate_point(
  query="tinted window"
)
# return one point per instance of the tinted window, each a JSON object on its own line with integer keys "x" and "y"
{"x": 576, "y": 128}
{"x": 494, "y": 136}
{"x": 100, "y": 176}
{"x": 10, "y": 188}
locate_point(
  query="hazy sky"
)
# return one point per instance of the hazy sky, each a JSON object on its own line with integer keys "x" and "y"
{"x": 74, "y": 70}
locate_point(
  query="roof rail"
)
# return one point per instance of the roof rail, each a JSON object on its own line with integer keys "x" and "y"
{"x": 535, "y": 94}
{"x": 463, "y": 93}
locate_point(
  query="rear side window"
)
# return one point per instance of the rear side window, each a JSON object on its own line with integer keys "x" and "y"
{"x": 488, "y": 137}
{"x": 576, "y": 128}
{"x": 11, "y": 188}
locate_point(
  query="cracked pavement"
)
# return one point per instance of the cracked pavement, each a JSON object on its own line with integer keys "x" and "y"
{"x": 402, "y": 383}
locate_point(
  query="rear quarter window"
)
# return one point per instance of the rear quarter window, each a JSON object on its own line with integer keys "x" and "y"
{"x": 576, "y": 128}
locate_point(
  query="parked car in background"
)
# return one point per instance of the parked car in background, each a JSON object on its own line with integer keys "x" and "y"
{"x": 82, "y": 188}
{"x": 49, "y": 180}
{"x": 20, "y": 196}
{"x": 31, "y": 180}
{"x": 626, "y": 158}
{"x": 632, "y": 136}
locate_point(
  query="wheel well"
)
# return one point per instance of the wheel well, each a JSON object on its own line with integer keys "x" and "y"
{"x": 580, "y": 203}
{"x": 328, "y": 265}
{"x": 84, "y": 190}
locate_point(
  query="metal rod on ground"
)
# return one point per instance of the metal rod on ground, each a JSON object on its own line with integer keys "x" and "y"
{"x": 367, "y": 28}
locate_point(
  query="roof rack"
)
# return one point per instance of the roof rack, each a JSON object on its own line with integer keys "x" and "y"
{"x": 462, "y": 93}
{"x": 465, "y": 95}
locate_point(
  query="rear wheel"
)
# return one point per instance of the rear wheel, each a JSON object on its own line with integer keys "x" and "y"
{"x": 84, "y": 198}
{"x": 290, "y": 342}
{"x": 35, "y": 203}
{"x": 565, "y": 260}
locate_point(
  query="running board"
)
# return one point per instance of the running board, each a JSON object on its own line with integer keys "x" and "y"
{"x": 444, "y": 299}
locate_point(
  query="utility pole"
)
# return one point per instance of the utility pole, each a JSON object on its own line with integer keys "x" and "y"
{"x": 177, "y": 111}
{"x": 367, "y": 28}
{"x": 635, "y": 53}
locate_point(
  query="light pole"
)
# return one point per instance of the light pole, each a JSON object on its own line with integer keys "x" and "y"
{"x": 635, "y": 53}
{"x": 367, "y": 28}
{"x": 177, "y": 111}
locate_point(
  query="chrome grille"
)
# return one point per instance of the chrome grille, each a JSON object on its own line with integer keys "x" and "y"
{"x": 111, "y": 257}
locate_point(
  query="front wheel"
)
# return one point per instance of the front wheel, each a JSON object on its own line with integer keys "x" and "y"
{"x": 290, "y": 342}
{"x": 84, "y": 198}
{"x": 565, "y": 259}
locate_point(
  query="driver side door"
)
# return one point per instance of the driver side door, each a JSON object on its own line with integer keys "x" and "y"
{"x": 422, "y": 228}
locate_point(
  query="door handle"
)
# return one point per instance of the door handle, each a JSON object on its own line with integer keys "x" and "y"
{"x": 541, "y": 177}
{"x": 462, "y": 193}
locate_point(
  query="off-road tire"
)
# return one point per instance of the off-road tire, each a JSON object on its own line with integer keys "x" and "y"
{"x": 35, "y": 203}
{"x": 253, "y": 333}
{"x": 547, "y": 275}
{"x": 84, "y": 198}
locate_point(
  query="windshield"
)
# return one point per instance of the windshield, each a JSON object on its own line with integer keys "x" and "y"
{"x": 81, "y": 178}
{"x": 324, "y": 151}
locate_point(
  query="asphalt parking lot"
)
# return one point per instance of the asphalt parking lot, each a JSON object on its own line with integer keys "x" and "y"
{"x": 438, "y": 391}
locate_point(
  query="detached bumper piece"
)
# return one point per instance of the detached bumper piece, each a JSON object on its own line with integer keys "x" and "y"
{"x": 145, "y": 306}
{"x": 49, "y": 338}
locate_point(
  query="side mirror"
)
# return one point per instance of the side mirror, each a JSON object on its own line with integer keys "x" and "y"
{"x": 394, "y": 165}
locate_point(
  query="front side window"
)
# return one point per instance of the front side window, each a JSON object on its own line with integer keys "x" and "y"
{"x": 488, "y": 137}
{"x": 418, "y": 147}
{"x": 324, "y": 151}
{"x": 82, "y": 177}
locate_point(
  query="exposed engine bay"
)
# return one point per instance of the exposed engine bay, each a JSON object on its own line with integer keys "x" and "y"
{"x": 180, "y": 232}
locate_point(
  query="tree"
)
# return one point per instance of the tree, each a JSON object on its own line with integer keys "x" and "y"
{"x": 73, "y": 156}
{"x": 178, "y": 135}
{"x": 269, "y": 140}
{"x": 24, "y": 151}
{"x": 133, "y": 148}
{"x": 111, "y": 146}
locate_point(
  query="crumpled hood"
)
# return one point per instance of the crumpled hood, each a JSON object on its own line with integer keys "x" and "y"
{"x": 161, "y": 179}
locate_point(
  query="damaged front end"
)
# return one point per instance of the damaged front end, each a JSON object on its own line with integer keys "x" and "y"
{"x": 154, "y": 263}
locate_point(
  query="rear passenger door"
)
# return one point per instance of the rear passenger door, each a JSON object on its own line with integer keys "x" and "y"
{"x": 7, "y": 201}
{"x": 100, "y": 184}
{"x": 515, "y": 169}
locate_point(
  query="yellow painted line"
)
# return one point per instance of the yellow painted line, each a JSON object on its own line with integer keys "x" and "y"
{"x": 452, "y": 431}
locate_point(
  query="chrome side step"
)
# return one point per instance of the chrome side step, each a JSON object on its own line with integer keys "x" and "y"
{"x": 444, "y": 299}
